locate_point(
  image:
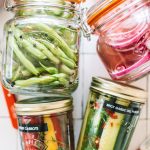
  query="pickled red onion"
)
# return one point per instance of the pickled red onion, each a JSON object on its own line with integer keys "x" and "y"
{"x": 129, "y": 38}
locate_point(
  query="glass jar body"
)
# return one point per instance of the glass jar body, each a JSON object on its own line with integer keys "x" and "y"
{"x": 53, "y": 131}
{"x": 41, "y": 51}
{"x": 123, "y": 43}
{"x": 109, "y": 122}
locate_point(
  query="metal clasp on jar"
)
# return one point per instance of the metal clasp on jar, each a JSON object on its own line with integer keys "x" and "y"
{"x": 87, "y": 31}
{"x": 7, "y": 5}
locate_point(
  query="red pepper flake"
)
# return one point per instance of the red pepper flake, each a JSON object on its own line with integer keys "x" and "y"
{"x": 114, "y": 116}
{"x": 96, "y": 105}
{"x": 112, "y": 124}
{"x": 103, "y": 126}
{"x": 97, "y": 140}
{"x": 111, "y": 114}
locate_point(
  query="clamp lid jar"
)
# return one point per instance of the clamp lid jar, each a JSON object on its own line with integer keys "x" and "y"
{"x": 124, "y": 36}
{"x": 41, "y": 48}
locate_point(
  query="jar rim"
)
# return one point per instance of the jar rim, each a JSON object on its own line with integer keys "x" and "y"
{"x": 119, "y": 89}
{"x": 100, "y": 9}
{"x": 12, "y": 6}
{"x": 43, "y": 105}
{"x": 103, "y": 11}
{"x": 65, "y": 3}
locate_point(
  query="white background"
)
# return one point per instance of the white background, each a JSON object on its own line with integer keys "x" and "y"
{"x": 90, "y": 65}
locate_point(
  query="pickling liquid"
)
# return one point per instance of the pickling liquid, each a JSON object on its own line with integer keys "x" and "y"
{"x": 124, "y": 45}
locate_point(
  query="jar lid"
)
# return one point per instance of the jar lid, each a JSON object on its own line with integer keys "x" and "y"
{"x": 118, "y": 89}
{"x": 100, "y": 9}
{"x": 43, "y": 105}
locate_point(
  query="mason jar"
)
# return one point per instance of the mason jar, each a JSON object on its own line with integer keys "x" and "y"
{"x": 45, "y": 123}
{"x": 123, "y": 30}
{"x": 111, "y": 115}
{"x": 41, "y": 47}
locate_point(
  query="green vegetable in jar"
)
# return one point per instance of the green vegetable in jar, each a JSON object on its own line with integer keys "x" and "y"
{"x": 42, "y": 55}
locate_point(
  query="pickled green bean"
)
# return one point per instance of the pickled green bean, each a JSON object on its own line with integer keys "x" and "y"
{"x": 44, "y": 50}
{"x": 25, "y": 73}
{"x": 58, "y": 39}
{"x": 22, "y": 42}
{"x": 16, "y": 74}
{"x": 60, "y": 75}
{"x": 68, "y": 63}
{"x": 63, "y": 81}
{"x": 62, "y": 78}
{"x": 51, "y": 70}
{"x": 71, "y": 36}
{"x": 35, "y": 80}
{"x": 65, "y": 69}
{"x": 25, "y": 62}
{"x": 22, "y": 73}
{"x": 58, "y": 52}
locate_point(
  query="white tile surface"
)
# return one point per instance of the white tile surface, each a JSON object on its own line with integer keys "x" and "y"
{"x": 77, "y": 127}
{"x": 78, "y": 94}
{"x": 8, "y": 138}
{"x": 92, "y": 67}
{"x": 90, "y": 46}
{"x": 3, "y": 107}
{"x": 18, "y": 142}
{"x": 142, "y": 83}
{"x": 139, "y": 135}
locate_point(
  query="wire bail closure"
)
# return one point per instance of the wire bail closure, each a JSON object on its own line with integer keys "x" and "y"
{"x": 87, "y": 31}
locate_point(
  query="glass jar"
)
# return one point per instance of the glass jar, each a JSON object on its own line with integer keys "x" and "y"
{"x": 45, "y": 123}
{"x": 42, "y": 42}
{"x": 111, "y": 115}
{"x": 123, "y": 27}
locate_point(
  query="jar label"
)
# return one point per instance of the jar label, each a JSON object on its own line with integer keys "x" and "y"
{"x": 121, "y": 109}
{"x": 33, "y": 128}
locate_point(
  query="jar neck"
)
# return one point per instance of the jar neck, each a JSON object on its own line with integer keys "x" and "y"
{"x": 15, "y": 3}
{"x": 124, "y": 9}
{"x": 68, "y": 11}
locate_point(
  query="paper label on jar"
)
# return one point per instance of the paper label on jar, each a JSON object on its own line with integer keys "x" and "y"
{"x": 121, "y": 109}
{"x": 33, "y": 128}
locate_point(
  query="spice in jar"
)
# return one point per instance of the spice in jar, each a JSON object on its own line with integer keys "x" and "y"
{"x": 45, "y": 123}
{"x": 111, "y": 115}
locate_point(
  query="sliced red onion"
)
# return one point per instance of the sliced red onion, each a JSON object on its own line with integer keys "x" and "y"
{"x": 139, "y": 47}
{"x": 129, "y": 30}
{"x": 126, "y": 39}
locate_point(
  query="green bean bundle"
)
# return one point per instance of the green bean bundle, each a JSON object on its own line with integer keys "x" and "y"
{"x": 43, "y": 56}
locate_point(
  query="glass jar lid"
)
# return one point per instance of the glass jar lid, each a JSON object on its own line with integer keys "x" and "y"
{"x": 43, "y": 105}
{"x": 100, "y": 9}
{"x": 118, "y": 89}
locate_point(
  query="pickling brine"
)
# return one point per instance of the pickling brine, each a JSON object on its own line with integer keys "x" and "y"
{"x": 45, "y": 124}
{"x": 42, "y": 45}
{"x": 111, "y": 116}
{"x": 124, "y": 37}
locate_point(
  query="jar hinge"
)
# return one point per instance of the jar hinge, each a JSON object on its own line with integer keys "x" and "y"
{"x": 87, "y": 31}
{"x": 7, "y": 5}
